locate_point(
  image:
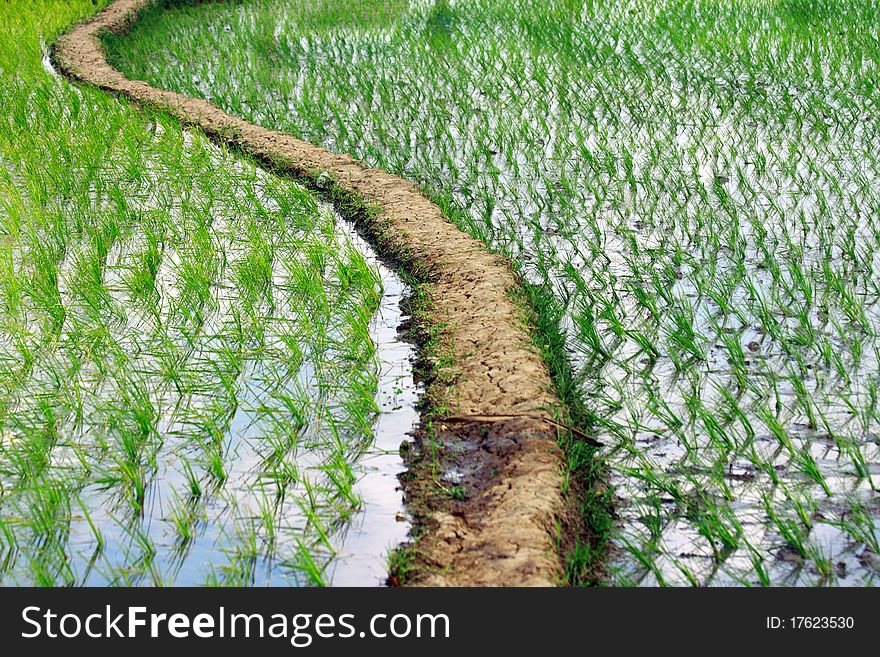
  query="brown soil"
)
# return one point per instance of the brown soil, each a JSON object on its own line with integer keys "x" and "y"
{"x": 506, "y": 530}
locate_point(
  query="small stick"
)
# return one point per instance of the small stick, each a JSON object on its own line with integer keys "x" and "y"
{"x": 489, "y": 417}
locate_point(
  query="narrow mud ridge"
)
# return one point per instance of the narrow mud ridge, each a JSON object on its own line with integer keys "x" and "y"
{"x": 506, "y": 530}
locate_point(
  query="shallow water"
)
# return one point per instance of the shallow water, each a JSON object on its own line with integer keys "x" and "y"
{"x": 383, "y": 524}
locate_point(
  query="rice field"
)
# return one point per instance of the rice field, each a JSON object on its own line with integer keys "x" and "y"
{"x": 191, "y": 352}
{"x": 694, "y": 181}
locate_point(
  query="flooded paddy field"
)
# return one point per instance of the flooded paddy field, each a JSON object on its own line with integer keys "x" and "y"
{"x": 695, "y": 182}
{"x": 201, "y": 377}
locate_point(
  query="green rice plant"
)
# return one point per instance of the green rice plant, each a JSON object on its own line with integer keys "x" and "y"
{"x": 789, "y": 529}
{"x": 803, "y": 460}
{"x": 804, "y": 399}
{"x": 822, "y": 559}
{"x": 682, "y": 332}
{"x": 758, "y": 566}
{"x": 644, "y": 558}
{"x": 240, "y": 568}
{"x": 860, "y": 524}
{"x": 715, "y": 522}
{"x": 652, "y": 517}
{"x": 184, "y": 516}
{"x": 305, "y": 563}
{"x": 857, "y": 458}
{"x": 195, "y": 487}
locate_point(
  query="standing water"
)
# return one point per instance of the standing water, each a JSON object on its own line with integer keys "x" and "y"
{"x": 363, "y": 543}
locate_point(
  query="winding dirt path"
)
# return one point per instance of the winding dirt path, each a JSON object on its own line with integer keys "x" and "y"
{"x": 507, "y": 530}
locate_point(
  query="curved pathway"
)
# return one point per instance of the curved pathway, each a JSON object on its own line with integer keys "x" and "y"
{"x": 507, "y": 531}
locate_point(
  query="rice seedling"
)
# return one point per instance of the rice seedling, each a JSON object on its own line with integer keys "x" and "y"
{"x": 790, "y": 529}
{"x": 861, "y": 525}
{"x": 821, "y": 558}
{"x": 758, "y": 566}
{"x": 645, "y": 559}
